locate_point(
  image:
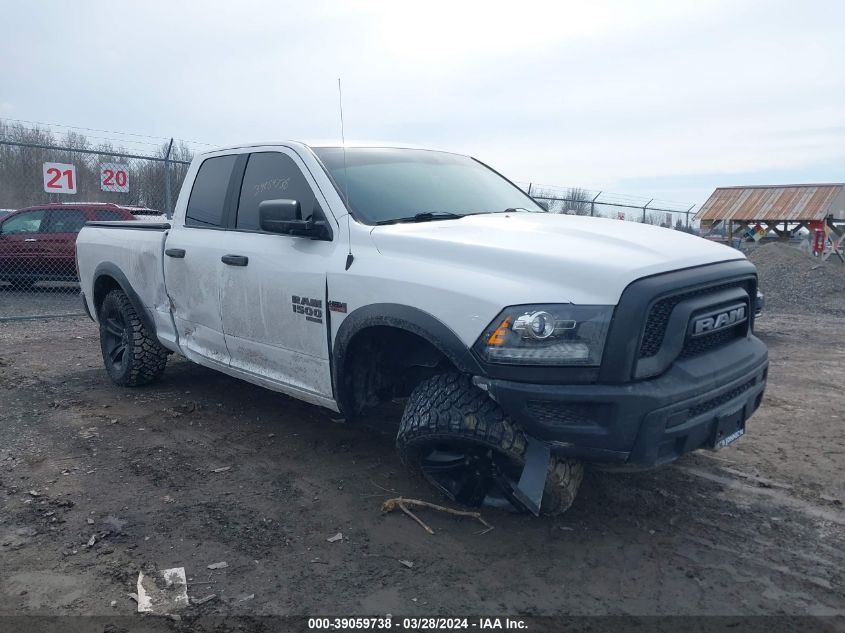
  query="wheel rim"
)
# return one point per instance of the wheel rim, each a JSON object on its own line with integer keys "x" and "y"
{"x": 115, "y": 341}
{"x": 472, "y": 474}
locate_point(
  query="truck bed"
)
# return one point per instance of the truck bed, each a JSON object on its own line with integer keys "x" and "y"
{"x": 134, "y": 249}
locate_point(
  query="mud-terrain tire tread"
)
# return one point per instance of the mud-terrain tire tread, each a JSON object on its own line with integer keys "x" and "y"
{"x": 449, "y": 406}
{"x": 147, "y": 357}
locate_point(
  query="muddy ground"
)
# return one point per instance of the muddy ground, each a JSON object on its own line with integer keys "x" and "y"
{"x": 758, "y": 528}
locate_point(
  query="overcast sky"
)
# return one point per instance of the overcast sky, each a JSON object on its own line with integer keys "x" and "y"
{"x": 660, "y": 99}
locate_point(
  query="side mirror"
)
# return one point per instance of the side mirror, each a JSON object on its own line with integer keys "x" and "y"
{"x": 285, "y": 216}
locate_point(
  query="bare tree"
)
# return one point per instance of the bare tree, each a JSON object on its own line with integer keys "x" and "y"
{"x": 548, "y": 198}
{"x": 576, "y": 202}
{"x": 573, "y": 201}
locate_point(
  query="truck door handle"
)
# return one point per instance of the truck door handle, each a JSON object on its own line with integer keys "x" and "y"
{"x": 30, "y": 239}
{"x": 178, "y": 253}
{"x": 235, "y": 260}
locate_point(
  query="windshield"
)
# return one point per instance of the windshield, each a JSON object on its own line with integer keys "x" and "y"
{"x": 385, "y": 184}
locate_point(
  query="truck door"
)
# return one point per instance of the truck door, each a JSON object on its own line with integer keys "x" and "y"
{"x": 192, "y": 262}
{"x": 273, "y": 287}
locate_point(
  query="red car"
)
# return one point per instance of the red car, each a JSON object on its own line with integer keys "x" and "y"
{"x": 39, "y": 243}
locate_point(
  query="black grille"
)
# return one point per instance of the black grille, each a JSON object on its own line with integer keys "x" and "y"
{"x": 711, "y": 404}
{"x": 702, "y": 344}
{"x": 555, "y": 413}
{"x": 658, "y": 316}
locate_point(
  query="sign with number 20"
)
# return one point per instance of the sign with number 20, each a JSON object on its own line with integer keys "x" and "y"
{"x": 114, "y": 177}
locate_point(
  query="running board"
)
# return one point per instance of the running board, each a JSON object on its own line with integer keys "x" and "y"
{"x": 532, "y": 482}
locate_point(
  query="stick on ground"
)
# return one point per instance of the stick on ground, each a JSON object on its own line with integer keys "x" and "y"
{"x": 402, "y": 503}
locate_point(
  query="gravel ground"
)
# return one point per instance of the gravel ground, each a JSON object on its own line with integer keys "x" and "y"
{"x": 757, "y": 528}
{"x": 40, "y": 301}
{"x": 794, "y": 281}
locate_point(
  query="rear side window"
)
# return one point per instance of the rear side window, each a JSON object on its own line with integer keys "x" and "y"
{"x": 65, "y": 221}
{"x": 106, "y": 215}
{"x": 207, "y": 204}
{"x": 271, "y": 176}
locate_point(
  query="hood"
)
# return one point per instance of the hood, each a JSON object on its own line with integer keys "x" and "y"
{"x": 593, "y": 259}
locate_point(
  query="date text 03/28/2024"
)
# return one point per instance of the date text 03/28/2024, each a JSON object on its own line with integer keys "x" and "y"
{"x": 416, "y": 623}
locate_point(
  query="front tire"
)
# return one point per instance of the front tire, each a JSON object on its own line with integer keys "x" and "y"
{"x": 461, "y": 442}
{"x": 132, "y": 356}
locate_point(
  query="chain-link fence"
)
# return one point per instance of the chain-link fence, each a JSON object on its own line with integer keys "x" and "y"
{"x": 47, "y": 194}
{"x": 578, "y": 201}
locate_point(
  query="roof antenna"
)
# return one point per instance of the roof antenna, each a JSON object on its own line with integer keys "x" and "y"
{"x": 349, "y": 257}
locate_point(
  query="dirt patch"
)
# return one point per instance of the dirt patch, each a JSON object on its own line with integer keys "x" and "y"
{"x": 757, "y": 528}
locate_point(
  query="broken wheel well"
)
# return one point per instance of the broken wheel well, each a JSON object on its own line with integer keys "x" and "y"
{"x": 383, "y": 362}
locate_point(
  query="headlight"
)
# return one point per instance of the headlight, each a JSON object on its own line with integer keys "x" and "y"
{"x": 554, "y": 335}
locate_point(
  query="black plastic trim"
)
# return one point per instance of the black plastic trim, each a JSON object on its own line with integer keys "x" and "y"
{"x": 134, "y": 225}
{"x": 233, "y": 193}
{"x": 405, "y": 318}
{"x": 678, "y": 327}
{"x": 108, "y": 269}
{"x": 629, "y": 318}
{"x": 85, "y": 305}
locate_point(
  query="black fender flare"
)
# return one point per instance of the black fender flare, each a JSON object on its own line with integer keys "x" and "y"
{"x": 108, "y": 269}
{"x": 406, "y": 318}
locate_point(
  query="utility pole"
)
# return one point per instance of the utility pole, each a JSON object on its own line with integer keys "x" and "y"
{"x": 168, "y": 206}
{"x": 593, "y": 204}
{"x": 646, "y": 207}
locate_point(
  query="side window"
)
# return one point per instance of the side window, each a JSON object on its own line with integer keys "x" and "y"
{"x": 29, "y": 222}
{"x": 66, "y": 221}
{"x": 108, "y": 215}
{"x": 271, "y": 176}
{"x": 207, "y": 204}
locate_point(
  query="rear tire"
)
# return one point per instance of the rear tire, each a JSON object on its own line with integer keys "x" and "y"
{"x": 131, "y": 355}
{"x": 461, "y": 442}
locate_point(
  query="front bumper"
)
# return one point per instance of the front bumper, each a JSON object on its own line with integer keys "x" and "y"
{"x": 648, "y": 422}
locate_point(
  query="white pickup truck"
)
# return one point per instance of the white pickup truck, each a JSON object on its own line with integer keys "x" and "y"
{"x": 526, "y": 343}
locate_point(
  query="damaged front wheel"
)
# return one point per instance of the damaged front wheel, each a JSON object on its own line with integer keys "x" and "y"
{"x": 461, "y": 442}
